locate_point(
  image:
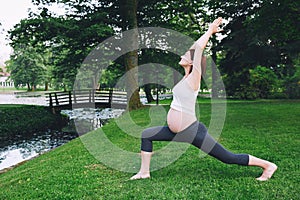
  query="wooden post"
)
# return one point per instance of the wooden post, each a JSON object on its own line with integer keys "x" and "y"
{"x": 74, "y": 96}
{"x": 110, "y": 97}
{"x": 70, "y": 98}
{"x": 90, "y": 96}
{"x": 50, "y": 99}
{"x": 56, "y": 100}
{"x": 93, "y": 95}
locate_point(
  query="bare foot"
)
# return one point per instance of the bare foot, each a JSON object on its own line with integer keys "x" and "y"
{"x": 268, "y": 172}
{"x": 140, "y": 175}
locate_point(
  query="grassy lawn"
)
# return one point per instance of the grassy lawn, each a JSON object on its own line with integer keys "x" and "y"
{"x": 267, "y": 129}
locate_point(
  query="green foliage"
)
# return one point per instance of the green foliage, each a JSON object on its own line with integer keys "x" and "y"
{"x": 68, "y": 39}
{"x": 263, "y": 82}
{"x": 111, "y": 75}
{"x": 21, "y": 119}
{"x": 259, "y": 33}
{"x": 27, "y": 67}
{"x": 1, "y": 71}
{"x": 256, "y": 33}
{"x": 292, "y": 83}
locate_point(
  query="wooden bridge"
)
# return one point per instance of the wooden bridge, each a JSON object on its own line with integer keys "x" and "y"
{"x": 86, "y": 98}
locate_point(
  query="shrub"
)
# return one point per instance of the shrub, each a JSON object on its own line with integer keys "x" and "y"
{"x": 23, "y": 119}
{"x": 263, "y": 83}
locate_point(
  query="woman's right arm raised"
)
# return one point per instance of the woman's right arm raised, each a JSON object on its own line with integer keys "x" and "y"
{"x": 199, "y": 46}
{"x": 201, "y": 43}
{"x": 213, "y": 28}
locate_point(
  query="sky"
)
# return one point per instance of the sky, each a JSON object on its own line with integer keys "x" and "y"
{"x": 11, "y": 12}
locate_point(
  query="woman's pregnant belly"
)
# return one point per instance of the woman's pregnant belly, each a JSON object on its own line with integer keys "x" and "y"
{"x": 178, "y": 121}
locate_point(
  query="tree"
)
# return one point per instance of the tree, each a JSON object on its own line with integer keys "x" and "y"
{"x": 263, "y": 83}
{"x": 187, "y": 17}
{"x": 278, "y": 24}
{"x": 27, "y": 67}
{"x": 72, "y": 37}
{"x": 131, "y": 58}
{"x": 292, "y": 83}
{"x": 260, "y": 33}
{"x": 125, "y": 16}
{"x": 69, "y": 40}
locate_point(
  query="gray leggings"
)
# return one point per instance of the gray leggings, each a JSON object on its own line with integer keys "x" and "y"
{"x": 196, "y": 134}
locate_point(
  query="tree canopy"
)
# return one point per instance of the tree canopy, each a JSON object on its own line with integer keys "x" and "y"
{"x": 256, "y": 33}
{"x": 259, "y": 33}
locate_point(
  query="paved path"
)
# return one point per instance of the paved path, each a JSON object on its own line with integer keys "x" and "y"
{"x": 10, "y": 98}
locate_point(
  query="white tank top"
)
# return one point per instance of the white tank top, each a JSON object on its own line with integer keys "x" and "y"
{"x": 184, "y": 97}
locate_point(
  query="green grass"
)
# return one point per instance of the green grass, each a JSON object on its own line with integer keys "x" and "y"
{"x": 267, "y": 129}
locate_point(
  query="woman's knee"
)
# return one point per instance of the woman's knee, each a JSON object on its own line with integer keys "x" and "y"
{"x": 154, "y": 132}
{"x": 147, "y": 133}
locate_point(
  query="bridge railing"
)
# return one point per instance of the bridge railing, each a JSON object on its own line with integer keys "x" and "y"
{"x": 82, "y": 98}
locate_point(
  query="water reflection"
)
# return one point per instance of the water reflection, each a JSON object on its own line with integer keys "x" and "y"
{"x": 25, "y": 147}
{"x": 88, "y": 119}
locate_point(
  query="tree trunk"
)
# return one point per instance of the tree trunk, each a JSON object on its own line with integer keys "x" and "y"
{"x": 28, "y": 87}
{"x": 65, "y": 87}
{"x": 148, "y": 93}
{"x": 214, "y": 92}
{"x": 33, "y": 87}
{"x": 131, "y": 58}
{"x": 131, "y": 82}
{"x": 46, "y": 86}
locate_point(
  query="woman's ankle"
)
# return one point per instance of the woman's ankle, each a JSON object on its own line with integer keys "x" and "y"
{"x": 254, "y": 161}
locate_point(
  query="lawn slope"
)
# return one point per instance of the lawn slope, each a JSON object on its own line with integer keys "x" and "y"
{"x": 268, "y": 130}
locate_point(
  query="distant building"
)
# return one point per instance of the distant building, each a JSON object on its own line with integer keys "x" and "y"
{"x": 4, "y": 82}
{"x": 4, "y": 79}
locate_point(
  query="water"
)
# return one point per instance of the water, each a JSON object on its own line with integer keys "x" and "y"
{"x": 19, "y": 148}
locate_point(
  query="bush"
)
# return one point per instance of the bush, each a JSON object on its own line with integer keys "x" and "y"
{"x": 21, "y": 119}
{"x": 292, "y": 84}
{"x": 263, "y": 83}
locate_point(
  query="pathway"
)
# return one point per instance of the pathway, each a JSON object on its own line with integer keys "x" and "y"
{"x": 10, "y": 98}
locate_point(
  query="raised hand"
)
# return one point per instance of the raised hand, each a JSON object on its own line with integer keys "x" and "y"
{"x": 214, "y": 27}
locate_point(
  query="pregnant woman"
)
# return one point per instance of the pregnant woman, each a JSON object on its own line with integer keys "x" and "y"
{"x": 182, "y": 122}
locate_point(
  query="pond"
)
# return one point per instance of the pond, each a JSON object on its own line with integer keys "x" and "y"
{"x": 24, "y": 147}
{"x": 18, "y": 148}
